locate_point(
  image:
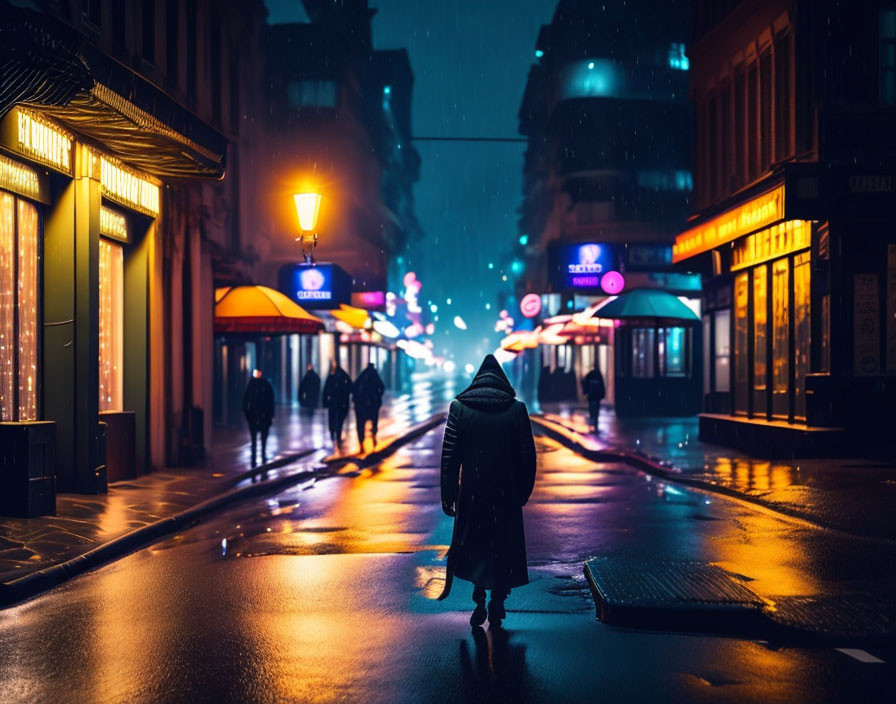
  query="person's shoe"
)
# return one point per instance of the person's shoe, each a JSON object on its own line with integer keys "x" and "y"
{"x": 496, "y": 613}
{"x": 477, "y": 618}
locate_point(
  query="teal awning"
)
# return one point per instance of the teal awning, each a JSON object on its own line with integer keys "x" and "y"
{"x": 648, "y": 305}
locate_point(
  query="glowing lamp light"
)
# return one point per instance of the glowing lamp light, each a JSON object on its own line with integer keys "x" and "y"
{"x": 469, "y": 368}
{"x": 386, "y": 328}
{"x": 530, "y": 306}
{"x": 459, "y": 323}
{"x": 307, "y": 208}
{"x": 612, "y": 282}
{"x": 448, "y": 367}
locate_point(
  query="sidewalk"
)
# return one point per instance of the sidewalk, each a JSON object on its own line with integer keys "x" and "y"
{"x": 852, "y": 495}
{"x": 84, "y": 522}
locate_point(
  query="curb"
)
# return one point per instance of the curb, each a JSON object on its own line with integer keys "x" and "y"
{"x": 31, "y": 585}
{"x": 570, "y": 439}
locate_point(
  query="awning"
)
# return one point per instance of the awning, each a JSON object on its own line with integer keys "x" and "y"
{"x": 49, "y": 66}
{"x": 260, "y": 310}
{"x": 520, "y": 340}
{"x": 356, "y": 318}
{"x": 650, "y": 305}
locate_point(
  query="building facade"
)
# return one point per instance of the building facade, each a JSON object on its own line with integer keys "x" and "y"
{"x": 119, "y": 122}
{"x": 793, "y": 223}
{"x": 607, "y": 184}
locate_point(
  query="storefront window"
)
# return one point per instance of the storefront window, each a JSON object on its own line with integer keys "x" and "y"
{"x": 723, "y": 350}
{"x": 780, "y": 338}
{"x": 760, "y": 339}
{"x": 801, "y": 331}
{"x": 707, "y": 329}
{"x": 643, "y": 342}
{"x": 18, "y": 309}
{"x": 672, "y": 352}
{"x": 741, "y": 339}
{"x": 111, "y": 358}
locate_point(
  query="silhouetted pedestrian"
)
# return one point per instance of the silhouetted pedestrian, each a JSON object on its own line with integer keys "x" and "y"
{"x": 368, "y": 394}
{"x": 258, "y": 407}
{"x": 337, "y": 393}
{"x": 309, "y": 390}
{"x": 544, "y": 385}
{"x": 593, "y": 387}
{"x": 488, "y": 472}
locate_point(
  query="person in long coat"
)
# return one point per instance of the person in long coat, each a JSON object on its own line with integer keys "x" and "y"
{"x": 258, "y": 407}
{"x": 309, "y": 390}
{"x": 368, "y": 393}
{"x": 488, "y": 472}
{"x": 337, "y": 393}
{"x": 594, "y": 388}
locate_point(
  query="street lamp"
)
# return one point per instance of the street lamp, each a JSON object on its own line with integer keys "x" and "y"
{"x": 307, "y": 208}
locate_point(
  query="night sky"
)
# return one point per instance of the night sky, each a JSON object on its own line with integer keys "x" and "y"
{"x": 470, "y": 61}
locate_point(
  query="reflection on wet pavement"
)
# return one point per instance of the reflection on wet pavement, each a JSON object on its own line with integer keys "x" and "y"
{"x": 856, "y": 495}
{"x": 325, "y": 593}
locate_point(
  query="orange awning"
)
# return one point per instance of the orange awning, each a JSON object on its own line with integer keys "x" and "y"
{"x": 259, "y": 309}
{"x": 357, "y": 318}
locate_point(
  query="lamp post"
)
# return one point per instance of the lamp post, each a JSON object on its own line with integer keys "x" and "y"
{"x": 307, "y": 208}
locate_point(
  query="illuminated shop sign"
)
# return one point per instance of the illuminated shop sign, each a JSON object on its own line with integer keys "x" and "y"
{"x": 315, "y": 286}
{"x": 42, "y": 142}
{"x": 20, "y": 179}
{"x": 580, "y": 266}
{"x": 772, "y": 242}
{"x": 127, "y": 188}
{"x": 113, "y": 224}
{"x": 759, "y": 212}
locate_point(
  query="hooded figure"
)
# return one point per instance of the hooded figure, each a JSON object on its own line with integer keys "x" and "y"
{"x": 258, "y": 407}
{"x": 309, "y": 390}
{"x": 368, "y": 393}
{"x": 488, "y": 472}
{"x": 593, "y": 387}
{"x": 337, "y": 392}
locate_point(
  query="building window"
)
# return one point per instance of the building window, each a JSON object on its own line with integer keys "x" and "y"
{"x": 760, "y": 340}
{"x": 783, "y": 99}
{"x": 887, "y": 59}
{"x": 801, "y": 331}
{"x": 765, "y": 107}
{"x": 781, "y": 338}
{"x": 93, "y": 12}
{"x": 148, "y": 28}
{"x": 312, "y": 94}
{"x": 677, "y": 57}
{"x": 111, "y": 319}
{"x": 191, "y": 48}
{"x": 672, "y": 352}
{"x": 740, "y": 135}
{"x": 752, "y": 122}
{"x": 215, "y": 65}
{"x": 643, "y": 344}
{"x": 741, "y": 343}
{"x": 722, "y": 350}
{"x": 172, "y": 41}
{"x": 19, "y": 243}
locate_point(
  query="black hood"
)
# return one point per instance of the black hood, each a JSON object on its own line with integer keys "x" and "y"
{"x": 490, "y": 389}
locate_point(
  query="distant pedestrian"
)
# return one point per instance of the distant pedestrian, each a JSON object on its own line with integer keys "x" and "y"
{"x": 258, "y": 407}
{"x": 309, "y": 390}
{"x": 337, "y": 392}
{"x": 488, "y": 472}
{"x": 368, "y": 392}
{"x": 593, "y": 387}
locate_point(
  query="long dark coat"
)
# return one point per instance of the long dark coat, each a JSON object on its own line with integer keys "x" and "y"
{"x": 488, "y": 472}
{"x": 368, "y": 391}
{"x": 309, "y": 390}
{"x": 337, "y": 390}
{"x": 258, "y": 403}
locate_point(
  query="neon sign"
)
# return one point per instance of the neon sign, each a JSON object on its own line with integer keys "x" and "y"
{"x": 126, "y": 188}
{"x": 530, "y": 306}
{"x": 44, "y": 143}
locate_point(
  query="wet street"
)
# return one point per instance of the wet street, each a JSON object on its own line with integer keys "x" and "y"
{"x": 325, "y": 593}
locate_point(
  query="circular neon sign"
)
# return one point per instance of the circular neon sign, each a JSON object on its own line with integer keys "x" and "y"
{"x": 530, "y": 306}
{"x": 312, "y": 280}
{"x": 612, "y": 282}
